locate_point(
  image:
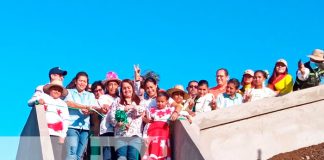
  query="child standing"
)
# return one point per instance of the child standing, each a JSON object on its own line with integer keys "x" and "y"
{"x": 180, "y": 97}
{"x": 230, "y": 97}
{"x": 204, "y": 101}
{"x": 57, "y": 115}
{"x": 259, "y": 91}
{"x": 156, "y": 131}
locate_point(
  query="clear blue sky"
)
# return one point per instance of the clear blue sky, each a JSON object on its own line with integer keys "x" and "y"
{"x": 180, "y": 40}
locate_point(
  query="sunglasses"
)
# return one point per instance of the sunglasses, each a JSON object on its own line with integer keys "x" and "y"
{"x": 193, "y": 87}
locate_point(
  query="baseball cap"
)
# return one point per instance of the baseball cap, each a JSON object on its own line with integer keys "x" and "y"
{"x": 57, "y": 70}
{"x": 249, "y": 72}
{"x": 282, "y": 61}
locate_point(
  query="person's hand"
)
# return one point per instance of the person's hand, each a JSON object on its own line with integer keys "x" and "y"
{"x": 301, "y": 67}
{"x": 137, "y": 72}
{"x": 127, "y": 126}
{"x": 41, "y": 101}
{"x": 191, "y": 103}
{"x": 105, "y": 108}
{"x": 174, "y": 116}
{"x": 213, "y": 103}
{"x": 247, "y": 97}
{"x": 191, "y": 113}
{"x": 119, "y": 124}
{"x": 85, "y": 111}
{"x": 147, "y": 119}
{"x": 61, "y": 140}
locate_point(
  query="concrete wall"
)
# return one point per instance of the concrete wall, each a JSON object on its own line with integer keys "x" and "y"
{"x": 255, "y": 130}
{"x": 35, "y": 143}
{"x": 185, "y": 144}
{"x": 261, "y": 129}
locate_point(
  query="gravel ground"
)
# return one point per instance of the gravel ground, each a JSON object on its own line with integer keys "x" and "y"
{"x": 315, "y": 152}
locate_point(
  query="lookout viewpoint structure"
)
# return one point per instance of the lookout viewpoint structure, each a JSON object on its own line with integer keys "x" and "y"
{"x": 255, "y": 130}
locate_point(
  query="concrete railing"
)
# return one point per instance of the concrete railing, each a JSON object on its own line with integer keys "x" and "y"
{"x": 35, "y": 142}
{"x": 254, "y": 130}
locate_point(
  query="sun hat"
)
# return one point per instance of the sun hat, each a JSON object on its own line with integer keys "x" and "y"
{"x": 249, "y": 72}
{"x": 56, "y": 83}
{"x": 317, "y": 55}
{"x": 111, "y": 76}
{"x": 178, "y": 88}
{"x": 282, "y": 61}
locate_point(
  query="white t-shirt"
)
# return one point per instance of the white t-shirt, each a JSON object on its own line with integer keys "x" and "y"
{"x": 203, "y": 103}
{"x": 257, "y": 94}
{"x": 57, "y": 115}
{"x": 106, "y": 124}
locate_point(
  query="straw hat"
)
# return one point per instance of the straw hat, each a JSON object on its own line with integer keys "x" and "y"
{"x": 317, "y": 55}
{"x": 111, "y": 76}
{"x": 178, "y": 88}
{"x": 56, "y": 83}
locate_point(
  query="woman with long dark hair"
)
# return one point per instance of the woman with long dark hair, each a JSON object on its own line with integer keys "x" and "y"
{"x": 280, "y": 81}
{"x": 126, "y": 114}
{"x": 81, "y": 102}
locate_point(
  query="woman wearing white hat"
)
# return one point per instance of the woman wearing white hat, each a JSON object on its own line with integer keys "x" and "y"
{"x": 280, "y": 81}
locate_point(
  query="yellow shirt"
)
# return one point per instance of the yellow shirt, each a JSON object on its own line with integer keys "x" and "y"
{"x": 285, "y": 85}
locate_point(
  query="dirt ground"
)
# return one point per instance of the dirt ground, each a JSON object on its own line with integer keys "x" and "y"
{"x": 315, "y": 152}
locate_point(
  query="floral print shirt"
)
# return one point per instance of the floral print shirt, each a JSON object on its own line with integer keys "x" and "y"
{"x": 134, "y": 119}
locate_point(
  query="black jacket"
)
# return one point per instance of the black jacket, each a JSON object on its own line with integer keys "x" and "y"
{"x": 313, "y": 79}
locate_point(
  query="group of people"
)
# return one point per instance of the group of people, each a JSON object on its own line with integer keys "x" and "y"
{"x": 136, "y": 113}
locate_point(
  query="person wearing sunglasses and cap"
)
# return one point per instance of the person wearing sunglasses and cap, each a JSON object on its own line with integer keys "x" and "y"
{"x": 54, "y": 74}
{"x": 281, "y": 81}
{"x": 309, "y": 74}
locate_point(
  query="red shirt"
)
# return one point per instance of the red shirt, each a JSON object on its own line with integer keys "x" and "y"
{"x": 217, "y": 90}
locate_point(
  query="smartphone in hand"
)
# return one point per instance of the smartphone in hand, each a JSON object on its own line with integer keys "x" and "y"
{"x": 300, "y": 64}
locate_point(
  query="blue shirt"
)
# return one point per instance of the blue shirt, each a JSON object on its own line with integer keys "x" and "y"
{"x": 224, "y": 100}
{"x": 77, "y": 119}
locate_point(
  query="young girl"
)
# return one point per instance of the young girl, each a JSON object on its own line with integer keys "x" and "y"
{"x": 259, "y": 91}
{"x": 156, "y": 131}
{"x": 280, "y": 81}
{"x": 230, "y": 97}
{"x": 247, "y": 81}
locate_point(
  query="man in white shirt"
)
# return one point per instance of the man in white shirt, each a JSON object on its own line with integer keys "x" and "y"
{"x": 55, "y": 73}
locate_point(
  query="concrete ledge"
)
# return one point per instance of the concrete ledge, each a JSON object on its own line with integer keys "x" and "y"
{"x": 261, "y": 129}
{"x": 35, "y": 142}
{"x": 257, "y": 108}
{"x": 185, "y": 142}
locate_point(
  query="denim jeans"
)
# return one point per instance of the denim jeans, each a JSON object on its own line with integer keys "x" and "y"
{"x": 76, "y": 143}
{"x": 128, "y": 148}
{"x": 108, "y": 150}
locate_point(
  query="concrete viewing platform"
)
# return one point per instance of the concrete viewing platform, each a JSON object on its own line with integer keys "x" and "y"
{"x": 255, "y": 130}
